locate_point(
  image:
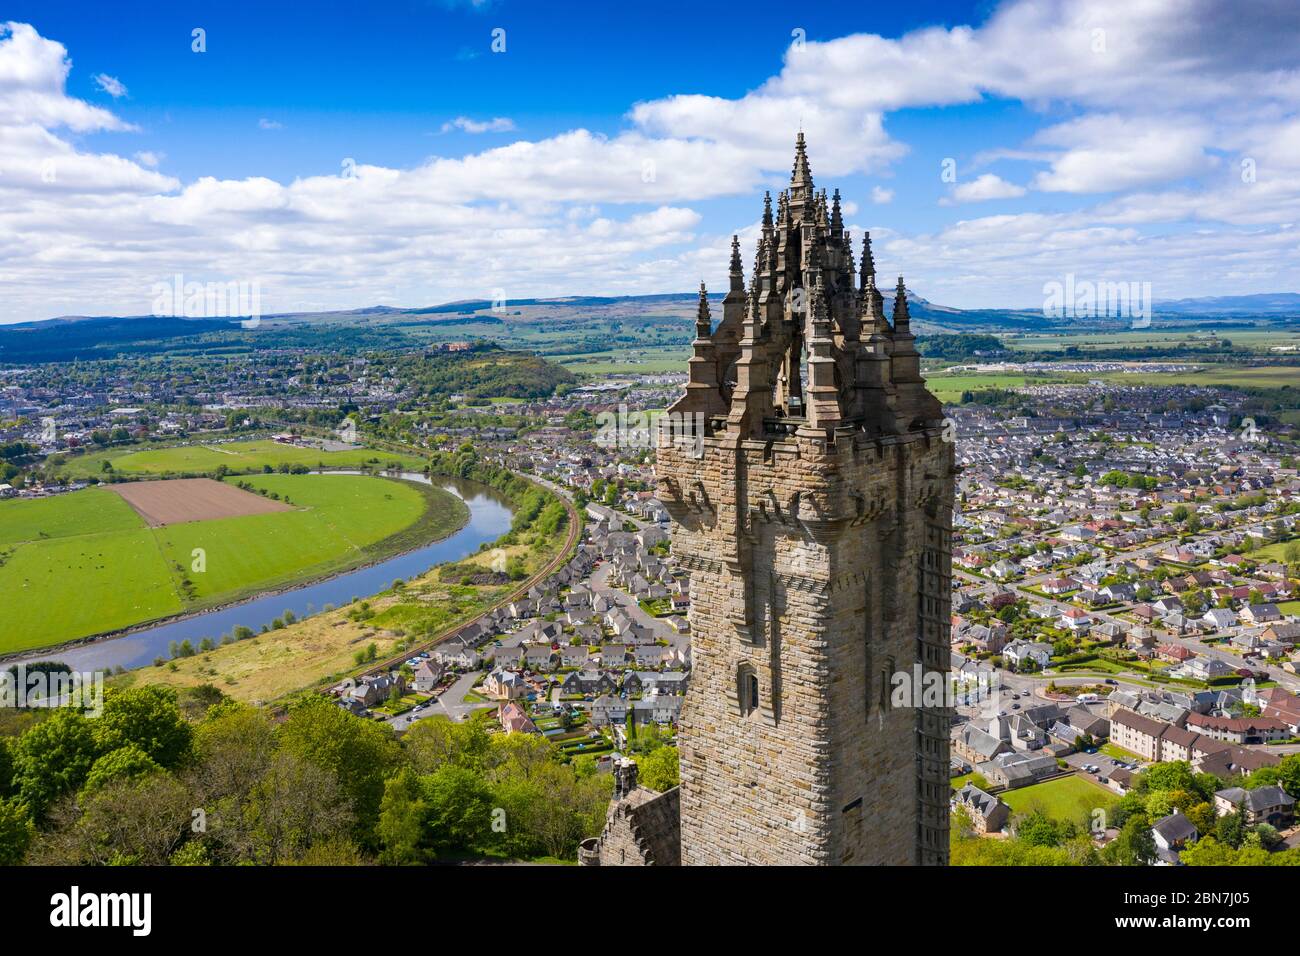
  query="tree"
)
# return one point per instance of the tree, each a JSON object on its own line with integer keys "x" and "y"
{"x": 403, "y": 820}
{"x": 432, "y": 744}
{"x": 1202, "y": 816}
{"x": 1288, "y": 773}
{"x": 659, "y": 769}
{"x": 460, "y": 809}
{"x": 53, "y": 758}
{"x": 295, "y": 805}
{"x": 233, "y": 748}
{"x": 124, "y": 763}
{"x": 360, "y": 754}
{"x": 125, "y": 822}
{"x": 1207, "y": 851}
{"x": 1230, "y": 830}
{"x": 1176, "y": 775}
{"x": 1038, "y": 829}
{"x": 16, "y": 832}
{"x": 1135, "y": 846}
{"x": 6, "y": 767}
{"x": 147, "y": 717}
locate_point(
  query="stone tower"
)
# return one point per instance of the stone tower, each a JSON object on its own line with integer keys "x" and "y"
{"x": 810, "y": 485}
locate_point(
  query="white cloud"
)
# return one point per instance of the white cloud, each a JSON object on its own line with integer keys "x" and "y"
{"x": 110, "y": 85}
{"x": 498, "y": 124}
{"x": 982, "y": 189}
{"x": 33, "y": 71}
{"x": 265, "y": 123}
{"x": 1105, "y": 153}
{"x": 581, "y": 212}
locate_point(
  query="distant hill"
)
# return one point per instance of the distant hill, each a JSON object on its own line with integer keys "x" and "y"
{"x": 1264, "y": 303}
{"x": 582, "y": 323}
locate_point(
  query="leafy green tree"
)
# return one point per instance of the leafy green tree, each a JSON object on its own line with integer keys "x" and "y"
{"x": 6, "y": 767}
{"x": 432, "y": 744}
{"x": 403, "y": 828}
{"x": 1230, "y": 830}
{"x": 1288, "y": 773}
{"x": 124, "y": 763}
{"x": 16, "y": 832}
{"x": 1038, "y": 829}
{"x": 293, "y": 805}
{"x": 147, "y": 717}
{"x": 460, "y": 809}
{"x": 1135, "y": 846}
{"x": 659, "y": 769}
{"x": 53, "y": 758}
{"x": 360, "y": 754}
{"x": 1207, "y": 851}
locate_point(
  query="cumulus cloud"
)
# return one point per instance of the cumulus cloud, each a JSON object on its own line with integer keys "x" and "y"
{"x": 982, "y": 189}
{"x": 1106, "y": 153}
{"x": 585, "y": 212}
{"x": 498, "y": 124}
{"x": 265, "y": 123}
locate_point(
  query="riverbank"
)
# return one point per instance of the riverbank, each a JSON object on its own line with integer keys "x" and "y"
{"x": 371, "y": 633}
{"x": 443, "y": 515}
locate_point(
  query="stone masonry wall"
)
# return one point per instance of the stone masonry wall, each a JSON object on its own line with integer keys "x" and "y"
{"x": 806, "y": 564}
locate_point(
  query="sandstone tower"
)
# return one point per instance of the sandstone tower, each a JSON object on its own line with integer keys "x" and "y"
{"x": 811, "y": 491}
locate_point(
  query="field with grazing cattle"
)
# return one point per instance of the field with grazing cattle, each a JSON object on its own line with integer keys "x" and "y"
{"x": 87, "y": 562}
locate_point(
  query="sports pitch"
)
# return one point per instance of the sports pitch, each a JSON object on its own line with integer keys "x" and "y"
{"x": 86, "y": 563}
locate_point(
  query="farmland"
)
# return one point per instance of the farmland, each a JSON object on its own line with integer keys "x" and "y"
{"x": 237, "y": 457}
{"x": 86, "y": 563}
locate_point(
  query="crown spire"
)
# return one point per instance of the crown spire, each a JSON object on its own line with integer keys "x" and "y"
{"x": 737, "y": 269}
{"x": 902, "y": 319}
{"x": 802, "y": 173}
{"x": 703, "y": 323}
{"x": 868, "y": 261}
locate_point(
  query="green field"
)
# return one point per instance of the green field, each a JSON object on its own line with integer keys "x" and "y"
{"x": 639, "y": 360}
{"x": 948, "y": 388}
{"x": 1260, "y": 341}
{"x": 1065, "y": 798}
{"x": 1253, "y": 376}
{"x": 86, "y": 563}
{"x": 243, "y": 457}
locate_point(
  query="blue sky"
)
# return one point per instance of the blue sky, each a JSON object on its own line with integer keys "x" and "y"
{"x": 1084, "y": 137}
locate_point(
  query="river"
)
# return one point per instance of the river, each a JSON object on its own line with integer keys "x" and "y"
{"x": 489, "y": 518}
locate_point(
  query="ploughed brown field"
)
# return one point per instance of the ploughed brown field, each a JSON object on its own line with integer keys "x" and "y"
{"x": 162, "y": 503}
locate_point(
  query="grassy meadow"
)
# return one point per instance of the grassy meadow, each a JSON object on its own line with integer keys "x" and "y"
{"x": 241, "y": 456}
{"x": 85, "y": 563}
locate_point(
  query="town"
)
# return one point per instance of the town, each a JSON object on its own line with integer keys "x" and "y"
{"x": 1124, "y": 562}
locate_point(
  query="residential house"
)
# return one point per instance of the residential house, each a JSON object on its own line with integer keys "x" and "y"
{"x": 1271, "y": 805}
{"x": 987, "y": 813}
